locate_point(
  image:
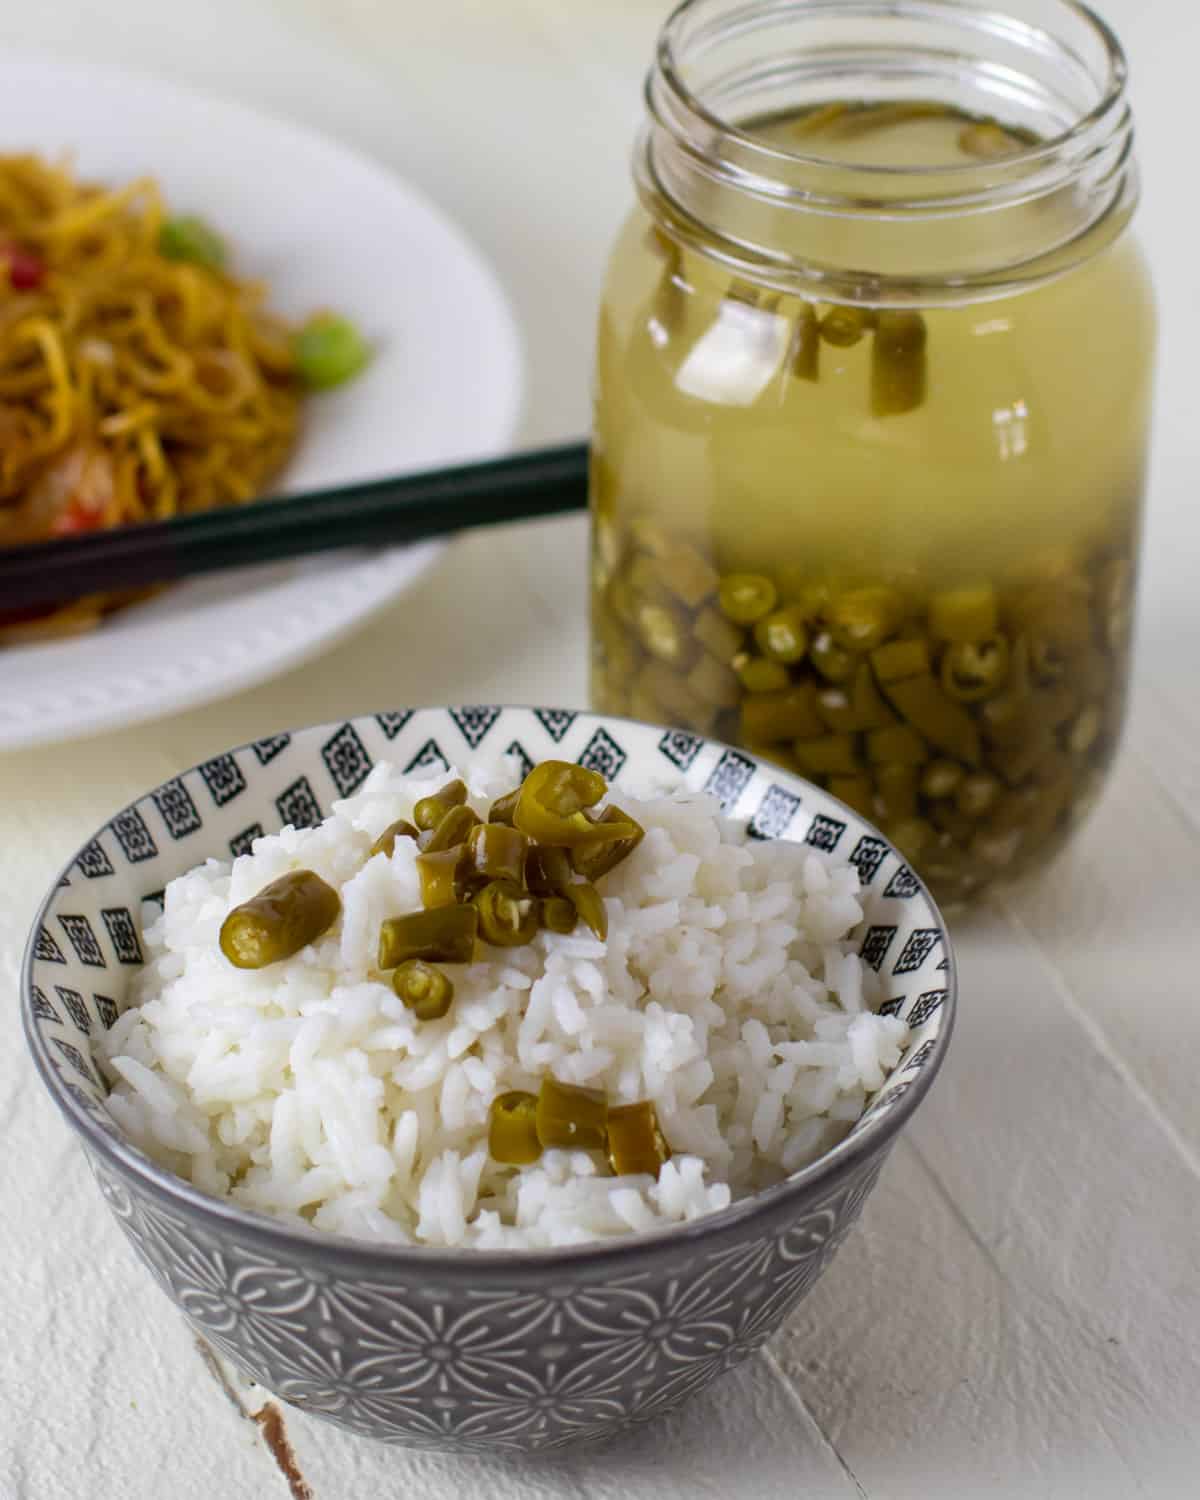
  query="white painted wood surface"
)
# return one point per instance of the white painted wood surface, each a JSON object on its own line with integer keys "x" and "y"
{"x": 1019, "y": 1314}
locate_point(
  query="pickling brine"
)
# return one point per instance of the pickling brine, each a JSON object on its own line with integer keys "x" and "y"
{"x": 880, "y": 527}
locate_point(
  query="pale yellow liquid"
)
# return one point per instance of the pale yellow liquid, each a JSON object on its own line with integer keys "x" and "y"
{"x": 1032, "y": 435}
{"x": 1024, "y": 460}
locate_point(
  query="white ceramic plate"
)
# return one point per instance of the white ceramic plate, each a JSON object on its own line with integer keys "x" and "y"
{"x": 325, "y": 227}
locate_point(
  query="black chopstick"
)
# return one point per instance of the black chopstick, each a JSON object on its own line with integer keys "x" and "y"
{"x": 410, "y": 508}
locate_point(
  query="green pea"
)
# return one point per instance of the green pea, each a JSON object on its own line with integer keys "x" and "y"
{"x": 186, "y": 237}
{"x": 329, "y": 350}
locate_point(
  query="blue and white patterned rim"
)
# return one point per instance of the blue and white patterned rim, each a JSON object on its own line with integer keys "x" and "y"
{"x": 85, "y": 938}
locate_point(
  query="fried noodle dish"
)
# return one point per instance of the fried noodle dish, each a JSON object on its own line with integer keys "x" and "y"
{"x": 139, "y": 379}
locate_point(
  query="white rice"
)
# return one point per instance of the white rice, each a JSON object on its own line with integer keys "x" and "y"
{"x": 725, "y": 992}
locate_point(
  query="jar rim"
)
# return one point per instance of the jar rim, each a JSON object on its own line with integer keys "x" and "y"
{"x": 668, "y": 68}
{"x": 1024, "y": 217}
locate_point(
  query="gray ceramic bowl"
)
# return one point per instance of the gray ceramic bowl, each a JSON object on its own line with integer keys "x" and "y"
{"x": 467, "y": 1349}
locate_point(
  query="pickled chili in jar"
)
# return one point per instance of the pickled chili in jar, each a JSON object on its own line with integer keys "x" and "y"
{"x": 872, "y": 403}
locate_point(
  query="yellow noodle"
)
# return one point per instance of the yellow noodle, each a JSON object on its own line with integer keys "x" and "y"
{"x": 132, "y": 385}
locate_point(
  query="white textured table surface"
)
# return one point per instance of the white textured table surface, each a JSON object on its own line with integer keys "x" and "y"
{"x": 1019, "y": 1313}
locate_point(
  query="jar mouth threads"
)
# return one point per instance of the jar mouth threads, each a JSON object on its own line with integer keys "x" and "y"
{"x": 1049, "y": 69}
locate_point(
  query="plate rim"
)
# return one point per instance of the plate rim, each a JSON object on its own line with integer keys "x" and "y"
{"x": 403, "y": 566}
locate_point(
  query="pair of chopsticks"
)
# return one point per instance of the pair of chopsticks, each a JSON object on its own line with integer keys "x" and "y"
{"x": 411, "y": 508}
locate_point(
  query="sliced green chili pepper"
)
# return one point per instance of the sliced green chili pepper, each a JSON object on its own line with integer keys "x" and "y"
{"x": 941, "y": 778}
{"x": 663, "y": 631}
{"x": 386, "y": 842}
{"x": 508, "y": 914}
{"x": 552, "y": 802}
{"x": 1015, "y": 762}
{"x": 834, "y": 662}
{"x": 783, "y": 635}
{"x": 589, "y": 904}
{"x": 964, "y": 615}
{"x": 666, "y": 695}
{"x": 870, "y": 709}
{"x": 900, "y": 659}
{"x": 426, "y": 991}
{"x": 596, "y": 862}
{"x": 974, "y": 670}
{"x": 713, "y": 682}
{"x": 452, "y": 829}
{"x": 758, "y": 675}
{"x": 978, "y": 795}
{"x": 649, "y": 536}
{"x": 504, "y": 807}
{"x": 898, "y": 744}
{"x": 943, "y": 723}
{"x": 854, "y": 791}
{"x": 570, "y": 1116}
{"x": 788, "y": 715}
{"x": 445, "y": 935}
{"x": 1084, "y": 731}
{"x": 282, "y": 918}
{"x": 430, "y": 811}
{"x": 898, "y": 364}
{"x": 557, "y": 914}
{"x": 804, "y": 351}
{"x": 911, "y": 836}
{"x": 512, "y": 1129}
{"x": 1114, "y": 600}
{"x": 636, "y": 1144}
{"x": 986, "y": 139}
{"x": 837, "y": 712}
{"x": 862, "y": 619}
{"x": 440, "y": 872}
{"x": 497, "y": 852}
{"x": 688, "y": 575}
{"x": 845, "y": 326}
{"x": 746, "y": 598}
{"x": 548, "y": 870}
{"x": 834, "y": 755}
{"x": 896, "y": 786}
{"x": 717, "y": 635}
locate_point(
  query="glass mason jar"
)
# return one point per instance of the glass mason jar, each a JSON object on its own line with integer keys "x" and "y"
{"x": 871, "y": 410}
